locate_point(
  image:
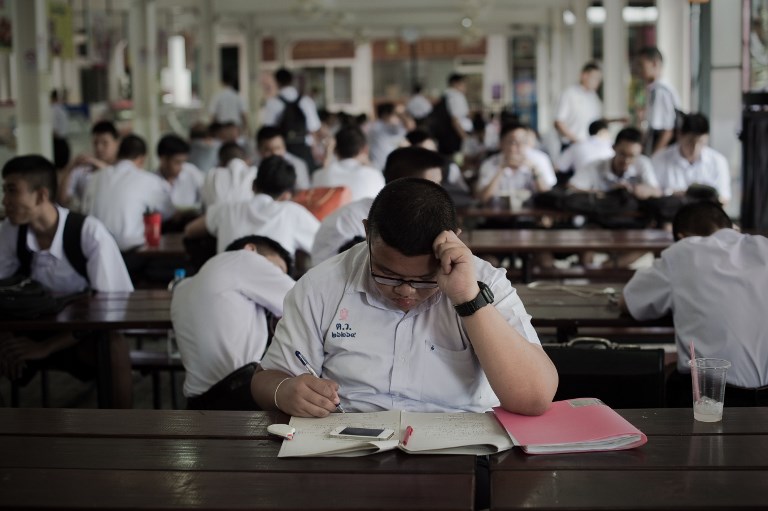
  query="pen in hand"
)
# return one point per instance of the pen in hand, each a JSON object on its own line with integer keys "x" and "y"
{"x": 313, "y": 373}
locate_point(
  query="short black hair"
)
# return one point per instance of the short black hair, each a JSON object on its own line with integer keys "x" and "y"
{"x": 283, "y": 77}
{"x": 700, "y": 219}
{"x": 509, "y": 127}
{"x": 454, "y": 78}
{"x": 264, "y": 246}
{"x": 417, "y": 88}
{"x": 651, "y": 53}
{"x": 274, "y": 177}
{"x": 171, "y": 145}
{"x": 105, "y": 127}
{"x": 418, "y": 136}
{"x": 409, "y": 213}
{"x": 131, "y": 147}
{"x": 411, "y": 162}
{"x": 597, "y": 126}
{"x": 385, "y": 109}
{"x": 591, "y": 66}
{"x": 229, "y": 151}
{"x": 36, "y": 170}
{"x": 629, "y": 134}
{"x": 228, "y": 78}
{"x": 61, "y": 152}
{"x": 198, "y": 130}
{"x": 350, "y": 141}
{"x": 268, "y": 133}
{"x": 695, "y": 124}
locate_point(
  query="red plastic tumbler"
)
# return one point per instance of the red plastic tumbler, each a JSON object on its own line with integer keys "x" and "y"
{"x": 152, "y": 223}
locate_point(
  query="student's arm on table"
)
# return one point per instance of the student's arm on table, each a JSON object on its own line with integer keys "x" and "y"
{"x": 196, "y": 228}
{"x": 520, "y": 373}
{"x": 15, "y": 351}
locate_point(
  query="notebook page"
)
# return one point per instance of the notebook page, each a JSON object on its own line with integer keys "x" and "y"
{"x": 454, "y": 433}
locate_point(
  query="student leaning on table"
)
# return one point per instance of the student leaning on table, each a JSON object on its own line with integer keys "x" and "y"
{"x": 380, "y": 324}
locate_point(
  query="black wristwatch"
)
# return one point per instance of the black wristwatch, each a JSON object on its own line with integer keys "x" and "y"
{"x": 483, "y": 298}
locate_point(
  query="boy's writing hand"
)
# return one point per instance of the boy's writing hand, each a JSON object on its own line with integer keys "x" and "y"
{"x": 307, "y": 396}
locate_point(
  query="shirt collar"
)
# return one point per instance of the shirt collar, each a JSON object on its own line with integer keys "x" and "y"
{"x": 57, "y": 245}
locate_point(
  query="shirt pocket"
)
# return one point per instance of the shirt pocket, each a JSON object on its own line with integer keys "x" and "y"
{"x": 449, "y": 376}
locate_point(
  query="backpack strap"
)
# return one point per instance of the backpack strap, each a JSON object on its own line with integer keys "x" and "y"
{"x": 73, "y": 248}
{"x": 286, "y": 102}
{"x": 23, "y": 253}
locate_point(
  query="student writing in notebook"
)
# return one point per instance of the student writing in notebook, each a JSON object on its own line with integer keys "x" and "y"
{"x": 409, "y": 320}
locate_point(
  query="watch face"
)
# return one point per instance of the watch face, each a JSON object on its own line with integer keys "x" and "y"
{"x": 486, "y": 292}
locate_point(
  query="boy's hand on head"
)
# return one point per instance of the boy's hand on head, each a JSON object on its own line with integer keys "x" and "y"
{"x": 456, "y": 274}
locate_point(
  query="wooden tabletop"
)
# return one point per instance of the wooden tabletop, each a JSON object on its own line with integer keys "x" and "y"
{"x": 157, "y": 459}
{"x": 171, "y": 246}
{"x": 685, "y": 465}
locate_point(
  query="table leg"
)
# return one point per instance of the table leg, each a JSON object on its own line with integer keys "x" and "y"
{"x": 104, "y": 370}
{"x": 527, "y": 267}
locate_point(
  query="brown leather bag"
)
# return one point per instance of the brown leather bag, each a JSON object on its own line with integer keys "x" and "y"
{"x": 323, "y": 201}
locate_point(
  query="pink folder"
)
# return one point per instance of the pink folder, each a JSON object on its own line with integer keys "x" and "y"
{"x": 573, "y": 425}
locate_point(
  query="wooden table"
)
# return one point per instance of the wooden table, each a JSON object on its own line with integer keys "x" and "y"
{"x": 552, "y": 305}
{"x": 526, "y": 242}
{"x": 158, "y": 459}
{"x": 171, "y": 247}
{"x": 685, "y": 465}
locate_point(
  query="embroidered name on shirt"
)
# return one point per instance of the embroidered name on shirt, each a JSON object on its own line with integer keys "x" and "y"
{"x": 343, "y": 330}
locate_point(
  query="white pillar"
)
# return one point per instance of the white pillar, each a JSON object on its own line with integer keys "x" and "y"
{"x": 581, "y": 51}
{"x": 543, "y": 82}
{"x": 615, "y": 60}
{"x": 32, "y": 75}
{"x": 496, "y": 70}
{"x": 209, "y": 70}
{"x": 557, "y": 40}
{"x": 673, "y": 38}
{"x": 362, "y": 79}
{"x": 142, "y": 42}
{"x": 254, "y": 58}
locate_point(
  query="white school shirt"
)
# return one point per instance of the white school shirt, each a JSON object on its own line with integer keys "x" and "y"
{"x": 286, "y": 222}
{"x": 598, "y": 176}
{"x": 299, "y": 165}
{"x": 458, "y": 107}
{"x": 232, "y": 183}
{"x": 676, "y": 174}
{"x": 104, "y": 264}
{"x": 577, "y": 109}
{"x": 363, "y": 181}
{"x": 120, "y": 195}
{"x": 519, "y": 179}
{"x": 185, "y": 190}
{"x": 662, "y": 100}
{"x": 381, "y": 357}
{"x": 60, "y": 120}
{"x": 79, "y": 177}
{"x": 228, "y": 106}
{"x": 418, "y": 106}
{"x": 716, "y": 288}
{"x": 581, "y": 154}
{"x": 383, "y": 138}
{"x": 219, "y": 315}
{"x": 273, "y": 109}
{"x": 338, "y": 228}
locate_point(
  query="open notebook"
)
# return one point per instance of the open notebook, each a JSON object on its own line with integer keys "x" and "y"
{"x": 433, "y": 433}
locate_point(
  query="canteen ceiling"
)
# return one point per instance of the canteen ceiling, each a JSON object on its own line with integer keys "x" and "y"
{"x": 365, "y": 19}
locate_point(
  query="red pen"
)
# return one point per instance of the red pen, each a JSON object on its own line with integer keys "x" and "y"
{"x": 408, "y": 433}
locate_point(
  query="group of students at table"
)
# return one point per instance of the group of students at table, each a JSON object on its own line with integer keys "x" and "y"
{"x": 408, "y": 319}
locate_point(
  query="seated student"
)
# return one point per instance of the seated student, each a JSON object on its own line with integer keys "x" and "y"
{"x": 270, "y": 142}
{"x": 204, "y": 146}
{"x": 351, "y": 169}
{"x": 453, "y": 180}
{"x": 513, "y": 169}
{"x": 346, "y": 222}
{"x": 714, "y": 282}
{"x": 269, "y": 213}
{"x": 406, "y": 321}
{"x": 181, "y": 180}
{"x": 628, "y": 170}
{"x": 691, "y": 161}
{"x": 387, "y": 132}
{"x": 29, "y": 190}
{"x": 105, "y": 141}
{"x": 220, "y": 314}
{"x": 120, "y": 195}
{"x": 232, "y": 180}
{"x": 597, "y": 147}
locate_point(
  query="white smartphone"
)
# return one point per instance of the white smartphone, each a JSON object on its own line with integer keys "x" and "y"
{"x": 362, "y": 433}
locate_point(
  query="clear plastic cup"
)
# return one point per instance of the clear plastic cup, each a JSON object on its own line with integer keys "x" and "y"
{"x": 708, "y": 382}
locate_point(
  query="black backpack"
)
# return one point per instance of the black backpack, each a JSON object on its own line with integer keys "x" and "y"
{"x": 441, "y": 127}
{"x": 73, "y": 250}
{"x": 293, "y": 122}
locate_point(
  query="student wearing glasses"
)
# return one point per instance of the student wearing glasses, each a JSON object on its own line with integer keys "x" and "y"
{"x": 409, "y": 320}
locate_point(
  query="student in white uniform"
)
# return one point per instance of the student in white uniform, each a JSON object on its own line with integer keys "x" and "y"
{"x": 714, "y": 282}
{"x": 346, "y": 223}
{"x": 269, "y": 213}
{"x": 661, "y": 102}
{"x": 120, "y": 195}
{"x": 232, "y": 180}
{"x": 220, "y": 316}
{"x": 598, "y": 146}
{"x": 270, "y": 142}
{"x": 691, "y": 161}
{"x": 227, "y": 106}
{"x": 181, "y": 180}
{"x": 579, "y": 105}
{"x": 409, "y": 320}
{"x": 351, "y": 168}
{"x": 387, "y": 132}
{"x": 29, "y": 191}
{"x": 418, "y": 106}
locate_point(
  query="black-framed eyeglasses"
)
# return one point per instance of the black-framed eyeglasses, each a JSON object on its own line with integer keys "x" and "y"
{"x": 389, "y": 281}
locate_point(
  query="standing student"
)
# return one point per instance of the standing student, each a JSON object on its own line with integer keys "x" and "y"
{"x": 598, "y": 146}
{"x": 714, "y": 282}
{"x": 228, "y": 107}
{"x": 579, "y": 105}
{"x": 220, "y": 316}
{"x": 418, "y": 106}
{"x": 661, "y": 104}
{"x": 66, "y": 253}
{"x": 387, "y": 132}
{"x": 409, "y": 320}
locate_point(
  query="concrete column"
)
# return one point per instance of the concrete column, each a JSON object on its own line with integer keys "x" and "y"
{"x": 581, "y": 51}
{"x": 282, "y": 49}
{"x": 557, "y": 49}
{"x": 32, "y": 74}
{"x": 142, "y": 43}
{"x": 496, "y": 70}
{"x": 615, "y": 60}
{"x": 673, "y": 38}
{"x": 5, "y": 76}
{"x": 543, "y": 82}
{"x": 362, "y": 79}
{"x": 209, "y": 70}
{"x": 254, "y": 59}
